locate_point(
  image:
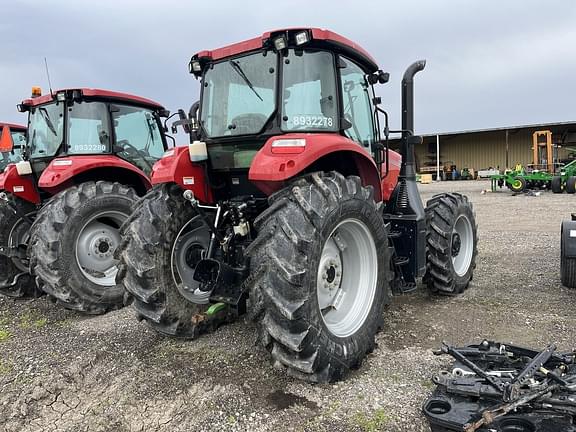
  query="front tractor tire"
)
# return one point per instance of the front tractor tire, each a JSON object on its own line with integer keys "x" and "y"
{"x": 72, "y": 244}
{"x": 451, "y": 243}
{"x": 320, "y": 276}
{"x": 15, "y": 279}
{"x": 162, "y": 242}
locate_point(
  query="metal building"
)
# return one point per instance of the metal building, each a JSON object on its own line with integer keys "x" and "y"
{"x": 498, "y": 148}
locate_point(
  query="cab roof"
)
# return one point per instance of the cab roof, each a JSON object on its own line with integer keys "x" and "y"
{"x": 97, "y": 94}
{"x": 14, "y": 127}
{"x": 319, "y": 38}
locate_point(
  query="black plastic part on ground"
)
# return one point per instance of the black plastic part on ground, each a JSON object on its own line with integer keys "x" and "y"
{"x": 530, "y": 400}
{"x": 450, "y": 412}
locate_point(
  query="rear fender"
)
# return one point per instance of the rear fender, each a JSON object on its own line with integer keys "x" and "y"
{"x": 61, "y": 172}
{"x": 272, "y": 167}
{"x": 176, "y": 167}
{"x": 21, "y": 186}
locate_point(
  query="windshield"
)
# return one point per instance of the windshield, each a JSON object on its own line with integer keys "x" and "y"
{"x": 19, "y": 139}
{"x": 45, "y": 130}
{"x": 309, "y": 98}
{"x": 88, "y": 128}
{"x": 239, "y": 95}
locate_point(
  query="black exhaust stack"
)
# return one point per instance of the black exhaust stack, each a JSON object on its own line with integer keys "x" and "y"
{"x": 408, "y": 157}
{"x": 405, "y": 211}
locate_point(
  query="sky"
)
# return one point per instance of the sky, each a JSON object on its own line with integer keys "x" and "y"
{"x": 490, "y": 63}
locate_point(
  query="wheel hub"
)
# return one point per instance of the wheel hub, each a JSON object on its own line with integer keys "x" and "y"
{"x": 96, "y": 245}
{"x": 456, "y": 244}
{"x": 330, "y": 272}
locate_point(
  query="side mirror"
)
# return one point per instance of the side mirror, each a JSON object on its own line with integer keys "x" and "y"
{"x": 6, "y": 142}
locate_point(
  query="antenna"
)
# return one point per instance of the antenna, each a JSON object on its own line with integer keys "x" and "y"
{"x": 48, "y": 75}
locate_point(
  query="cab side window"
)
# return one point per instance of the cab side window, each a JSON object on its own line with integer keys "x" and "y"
{"x": 137, "y": 131}
{"x": 88, "y": 131}
{"x": 357, "y": 104}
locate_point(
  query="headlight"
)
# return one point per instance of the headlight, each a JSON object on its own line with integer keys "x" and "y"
{"x": 195, "y": 66}
{"x": 280, "y": 43}
{"x": 302, "y": 38}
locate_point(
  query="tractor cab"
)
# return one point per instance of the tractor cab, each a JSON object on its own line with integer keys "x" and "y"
{"x": 89, "y": 122}
{"x": 290, "y": 83}
{"x": 12, "y": 141}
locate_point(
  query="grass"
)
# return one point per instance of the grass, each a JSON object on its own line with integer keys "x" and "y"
{"x": 32, "y": 320}
{"x": 4, "y": 335}
{"x": 373, "y": 422}
{"x": 5, "y": 367}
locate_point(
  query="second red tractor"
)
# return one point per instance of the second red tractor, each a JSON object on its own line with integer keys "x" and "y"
{"x": 86, "y": 160}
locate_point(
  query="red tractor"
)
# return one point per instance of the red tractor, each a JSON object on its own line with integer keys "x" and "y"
{"x": 288, "y": 204}
{"x": 87, "y": 159}
{"x": 12, "y": 141}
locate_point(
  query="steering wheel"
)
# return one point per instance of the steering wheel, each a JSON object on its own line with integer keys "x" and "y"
{"x": 247, "y": 123}
{"x": 130, "y": 149}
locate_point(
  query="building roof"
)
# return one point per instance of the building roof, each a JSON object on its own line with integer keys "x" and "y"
{"x": 505, "y": 128}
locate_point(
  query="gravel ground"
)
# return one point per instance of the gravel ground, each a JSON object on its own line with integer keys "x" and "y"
{"x": 61, "y": 371}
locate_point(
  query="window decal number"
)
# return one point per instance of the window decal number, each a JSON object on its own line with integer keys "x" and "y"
{"x": 312, "y": 121}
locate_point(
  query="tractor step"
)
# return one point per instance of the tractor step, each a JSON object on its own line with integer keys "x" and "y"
{"x": 401, "y": 260}
{"x": 403, "y": 288}
{"x": 394, "y": 234}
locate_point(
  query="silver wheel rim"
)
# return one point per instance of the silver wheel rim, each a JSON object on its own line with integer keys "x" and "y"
{"x": 190, "y": 246}
{"x": 20, "y": 235}
{"x": 95, "y": 246}
{"x": 462, "y": 245}
{"x": 347, "y": 277}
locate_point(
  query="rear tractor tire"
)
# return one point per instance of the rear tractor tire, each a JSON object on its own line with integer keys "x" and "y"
{"x": 72, "y": 244}
{"x": 556, "y": 185}
{"x": 571, "y": 185}
{"x": 15, "y": 279}
{"x": 320, "y": 276}
{"x": 162, "y": 242}
{"x": 451, "y": 243}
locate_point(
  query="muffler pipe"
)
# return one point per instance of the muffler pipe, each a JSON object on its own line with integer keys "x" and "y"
{"x": 407, "y": 150}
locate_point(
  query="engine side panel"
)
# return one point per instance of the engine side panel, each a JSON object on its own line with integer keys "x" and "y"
{"x": 176, "y": 167}
{"x": 20, "y": 186}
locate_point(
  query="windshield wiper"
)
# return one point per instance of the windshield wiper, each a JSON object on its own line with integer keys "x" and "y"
{"x": 49, "y": 123}
{"x": 240, "y": 72}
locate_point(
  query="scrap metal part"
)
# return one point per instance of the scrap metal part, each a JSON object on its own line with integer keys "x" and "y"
{"x": 499, "y": 388}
